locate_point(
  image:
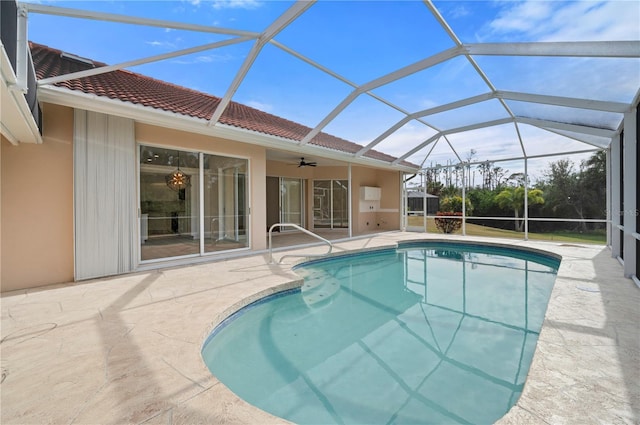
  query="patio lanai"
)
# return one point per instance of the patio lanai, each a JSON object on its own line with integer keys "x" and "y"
{"x": 416, "y": 81}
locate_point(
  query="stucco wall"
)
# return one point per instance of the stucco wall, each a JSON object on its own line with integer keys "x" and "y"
{"x": 37, "y": 206}
{"x": 387, "y": 217}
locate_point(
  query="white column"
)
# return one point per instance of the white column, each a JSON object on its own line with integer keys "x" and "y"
{"x": 425, "y": 210}
{"x": 526, "y": 201}
{"x": 403, "y": 202}
{"x": 200, "y": 220}
{"x": 608, "y": 196}
{"x": 349, "y": 204}
{"x": 464, "y": 206}
{"x": 614, "y": 206}
{"x": 630, "y": 202}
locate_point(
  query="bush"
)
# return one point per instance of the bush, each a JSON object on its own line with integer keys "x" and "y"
{"x": 448, "y": 224}
{"x": 454, "y": 203}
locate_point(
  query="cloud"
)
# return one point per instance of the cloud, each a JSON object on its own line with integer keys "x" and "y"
{"x": 533, "y": 20}
{"x": 202, "y": 59}
{"x": 427, "y": 103}
{"x": 227, "y": 4}
{"x": 265, "y": 107}
{"x": 459, "y": 11}
{"x": 547, "y": 21}
{"x": 403, "y": 139}
{"x": 236, "y": 4}
{"x": 156, "y": 43}
{"x": 205, "y": 59}
{"x": 616, "y": 20}
{"x": 524, "y": 17}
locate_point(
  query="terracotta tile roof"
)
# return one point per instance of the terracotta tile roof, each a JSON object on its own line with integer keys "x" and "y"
{"x": 142, "y": 90}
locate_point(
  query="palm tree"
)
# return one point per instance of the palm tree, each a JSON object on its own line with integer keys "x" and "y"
{"x": 513, "y": 198}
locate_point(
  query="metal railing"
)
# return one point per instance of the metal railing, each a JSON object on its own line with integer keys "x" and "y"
{"x": 302, "y": 229}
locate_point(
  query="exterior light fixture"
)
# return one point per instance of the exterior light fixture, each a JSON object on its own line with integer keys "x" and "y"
{"x": 178, "y": 180}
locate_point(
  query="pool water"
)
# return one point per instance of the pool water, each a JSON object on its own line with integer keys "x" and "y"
{"x": 426, "y": 333}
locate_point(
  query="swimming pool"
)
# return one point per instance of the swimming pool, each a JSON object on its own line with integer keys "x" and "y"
{"x": 425, "y": 333}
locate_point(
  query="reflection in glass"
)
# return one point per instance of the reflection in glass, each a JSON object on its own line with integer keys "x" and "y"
{"x": 340, "y": 204}
{"x": 330, "y": 204}
{"x": 322, "y": 204}
{"x": 225, "y": 201}
{"x": 291, "y": 201}
{"x": 168, "y": 218}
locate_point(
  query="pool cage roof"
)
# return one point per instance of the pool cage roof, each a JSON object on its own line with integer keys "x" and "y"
{"x": 426, "y": 82}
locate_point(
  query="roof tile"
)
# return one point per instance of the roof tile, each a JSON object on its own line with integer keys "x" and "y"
{"x": 131, "y": 87}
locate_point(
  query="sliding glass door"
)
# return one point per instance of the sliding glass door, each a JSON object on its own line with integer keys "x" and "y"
{"x": 173, "y": 223}
{"x": 330, "y": 204}
{"x": 291, "y": 201}
{"x": 225, "y": 203}
{"x": 168, "y": 212}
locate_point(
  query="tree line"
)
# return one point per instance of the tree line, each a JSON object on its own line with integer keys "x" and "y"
{"x": 565, "y": 190}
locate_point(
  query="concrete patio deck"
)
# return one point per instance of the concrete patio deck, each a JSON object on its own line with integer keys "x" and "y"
{"x": 127, "y": 349}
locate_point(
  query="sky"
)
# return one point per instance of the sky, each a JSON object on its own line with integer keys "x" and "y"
{"x": 360, "y": 41}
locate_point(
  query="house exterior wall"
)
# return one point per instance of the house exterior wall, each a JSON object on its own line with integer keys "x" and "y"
{"x": 37, "y": 206}
{"x": 389, "y": 214}
{"x": 384, "y": 217}
{"x": 37, "y": 209}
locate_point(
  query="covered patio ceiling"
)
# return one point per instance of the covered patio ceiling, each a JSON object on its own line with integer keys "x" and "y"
{"x": 427, "y": 82}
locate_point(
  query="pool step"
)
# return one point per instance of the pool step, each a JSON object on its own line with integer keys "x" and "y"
{"x": 319, "y": 289}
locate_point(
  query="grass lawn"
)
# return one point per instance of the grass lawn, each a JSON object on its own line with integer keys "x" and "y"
{"x": 599, "y": 237}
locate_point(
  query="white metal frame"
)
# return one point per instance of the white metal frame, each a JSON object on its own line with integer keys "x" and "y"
{"x": 608, "y": 49}
{"x": 469, "y": 51}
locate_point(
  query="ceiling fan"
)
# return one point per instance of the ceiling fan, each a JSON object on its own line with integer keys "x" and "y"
{"x": 306, "y": 164}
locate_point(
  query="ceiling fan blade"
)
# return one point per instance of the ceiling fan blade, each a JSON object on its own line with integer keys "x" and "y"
{"x": 306, "y": 164}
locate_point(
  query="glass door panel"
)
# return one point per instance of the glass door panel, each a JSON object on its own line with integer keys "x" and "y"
{"x": 322, "y": 204}
{"x": 340, "y": 199}
{"x": 330, "y": 204}
{"x": 291, "y": 196}
{"x": 169, "y": 203}
{"x": 170, "y": 219}
{"x": 225, "y": 203}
